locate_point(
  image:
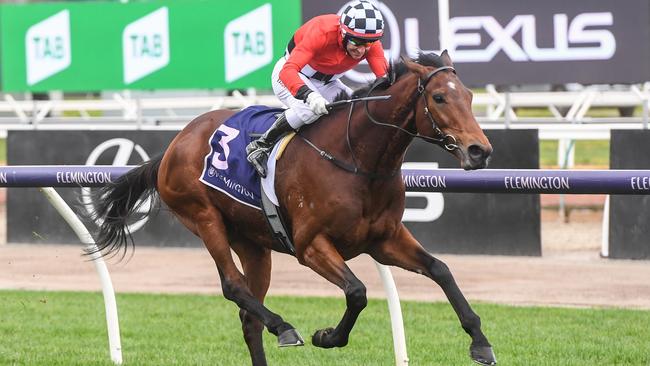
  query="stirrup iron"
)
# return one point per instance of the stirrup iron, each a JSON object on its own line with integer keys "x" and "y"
{"x": 257, "y": 152}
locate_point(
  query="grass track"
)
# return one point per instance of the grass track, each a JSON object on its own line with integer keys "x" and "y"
{"x": 588, "y": 153}
{"x": 66, "y": 328}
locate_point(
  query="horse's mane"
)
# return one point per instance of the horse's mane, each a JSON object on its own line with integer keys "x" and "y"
{"x": 398, "y": 69}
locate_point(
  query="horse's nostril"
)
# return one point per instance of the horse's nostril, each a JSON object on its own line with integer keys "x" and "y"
{"x": 477, "y": 152}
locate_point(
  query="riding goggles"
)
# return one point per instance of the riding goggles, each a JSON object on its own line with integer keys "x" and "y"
{"x": 361, "y": 42}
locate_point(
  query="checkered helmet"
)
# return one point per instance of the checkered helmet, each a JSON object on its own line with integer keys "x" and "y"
{"x": 361, "y": 19}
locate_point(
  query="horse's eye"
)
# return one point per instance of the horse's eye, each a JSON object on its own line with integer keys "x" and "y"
{"x": 438, "y": 99}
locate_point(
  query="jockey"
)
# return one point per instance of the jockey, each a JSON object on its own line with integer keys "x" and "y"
{"x": 306, "y": 78}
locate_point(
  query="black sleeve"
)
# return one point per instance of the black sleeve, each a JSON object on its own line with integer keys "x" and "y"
{"x": 303, "y": 93}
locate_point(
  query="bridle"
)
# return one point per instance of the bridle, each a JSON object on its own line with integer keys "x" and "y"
{"x": 443, "y": 139}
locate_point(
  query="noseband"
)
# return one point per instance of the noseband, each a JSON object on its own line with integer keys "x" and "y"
{"x": 443, "y": 139}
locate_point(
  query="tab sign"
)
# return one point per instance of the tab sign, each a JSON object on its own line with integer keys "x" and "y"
{"x": 249, "y": 43}
{"x": 47, "y": 45}
{"x": 145, "y": 45}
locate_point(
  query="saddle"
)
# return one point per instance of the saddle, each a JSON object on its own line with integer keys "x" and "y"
{"x": 226, "y": 168}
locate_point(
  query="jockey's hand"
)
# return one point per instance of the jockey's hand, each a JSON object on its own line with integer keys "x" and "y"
{"x": 317, "y": 103}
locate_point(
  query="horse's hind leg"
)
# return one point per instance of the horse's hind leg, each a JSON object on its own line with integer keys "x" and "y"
{"x": 405, "y": 252}
{"x": 322, "y": 257}
{"x": 210, "y": 227}
{"x": 256, "y": 263}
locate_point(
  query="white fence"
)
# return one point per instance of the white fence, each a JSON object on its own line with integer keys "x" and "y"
{"x": 576, "y": 104}
{"x": 493, "y": 107}
{"x": 495, "y": 110}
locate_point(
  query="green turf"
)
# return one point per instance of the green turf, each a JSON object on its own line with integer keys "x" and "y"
{"x": 3, "y": 151}
{"x": 64, "y": 328}
{"x": 592, "y": 153}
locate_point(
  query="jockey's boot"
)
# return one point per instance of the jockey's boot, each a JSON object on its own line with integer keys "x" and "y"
{"x": 257, "y": 152}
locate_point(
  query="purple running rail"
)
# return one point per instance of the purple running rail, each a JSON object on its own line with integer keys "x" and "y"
{"x": 431, "y": 180}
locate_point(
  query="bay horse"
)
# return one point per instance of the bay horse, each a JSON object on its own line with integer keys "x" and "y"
{"x": 334, "y": 212}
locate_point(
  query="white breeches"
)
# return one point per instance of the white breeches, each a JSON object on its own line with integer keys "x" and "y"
{"x": 299, "y": 112}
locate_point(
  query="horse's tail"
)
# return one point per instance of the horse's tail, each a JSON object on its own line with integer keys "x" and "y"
{"x": 115, "y": 202}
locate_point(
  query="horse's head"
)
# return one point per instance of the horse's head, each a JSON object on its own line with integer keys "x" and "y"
{"x": 444, "y": 111}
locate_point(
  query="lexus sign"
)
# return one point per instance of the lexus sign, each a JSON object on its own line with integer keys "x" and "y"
{"x": 572, "y": 41}
{"x": 507, "y": 42}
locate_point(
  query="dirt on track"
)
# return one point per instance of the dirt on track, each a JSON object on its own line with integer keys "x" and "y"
{"x": 570, "y": 272}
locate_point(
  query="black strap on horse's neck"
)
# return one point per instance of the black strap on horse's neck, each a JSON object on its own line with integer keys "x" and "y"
{"x": 445, "y": 140}
{"x": 351, "y": 168}
{"x": 354, "y": 167}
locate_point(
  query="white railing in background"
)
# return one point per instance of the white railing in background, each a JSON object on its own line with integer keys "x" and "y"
{"x": 121, "y": 108}
{"x": 492, "y": 106}
{"x": 495, "y": 110}
{"x": 576, "y": 103}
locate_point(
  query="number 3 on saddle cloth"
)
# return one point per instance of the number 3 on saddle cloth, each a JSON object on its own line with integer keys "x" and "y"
{"x": 227, "y": 170}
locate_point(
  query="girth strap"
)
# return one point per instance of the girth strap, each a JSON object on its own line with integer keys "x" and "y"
{"x": 277, "y": 224}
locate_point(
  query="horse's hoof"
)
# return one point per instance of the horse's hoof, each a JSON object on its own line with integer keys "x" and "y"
{"x": 321, "y": 338}
{"x": 482, "y": 355}
{"x": 290, "y": 338}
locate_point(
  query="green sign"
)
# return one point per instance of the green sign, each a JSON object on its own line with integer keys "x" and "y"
{"x": 190, "y": 44}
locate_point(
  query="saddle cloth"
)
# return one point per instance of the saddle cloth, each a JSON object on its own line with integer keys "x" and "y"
{"x": 226, "y": 168}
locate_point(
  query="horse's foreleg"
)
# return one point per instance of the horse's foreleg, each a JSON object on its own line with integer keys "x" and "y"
{"x": 211, "y": 229}
{"x": 322, "y": 257}
{"x": 256, "y": 263}
{"x": 405, "y": 252}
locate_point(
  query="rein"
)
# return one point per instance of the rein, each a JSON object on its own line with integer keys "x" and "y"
{"x": 445, "y": 140}
{"x": 351, "y": 168}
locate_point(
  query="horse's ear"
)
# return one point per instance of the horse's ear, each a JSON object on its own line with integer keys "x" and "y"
{"x": 446, "y": 60}
{"x": 415, "y": 67}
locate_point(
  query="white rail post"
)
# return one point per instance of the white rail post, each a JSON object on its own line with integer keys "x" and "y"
{"x": 395, "y": 310}
{"x": 110, "y": 305}
{"x": 604, "y": 230}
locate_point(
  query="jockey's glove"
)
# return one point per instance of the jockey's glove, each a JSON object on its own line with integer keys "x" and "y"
{"x": 317, "y": 103}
